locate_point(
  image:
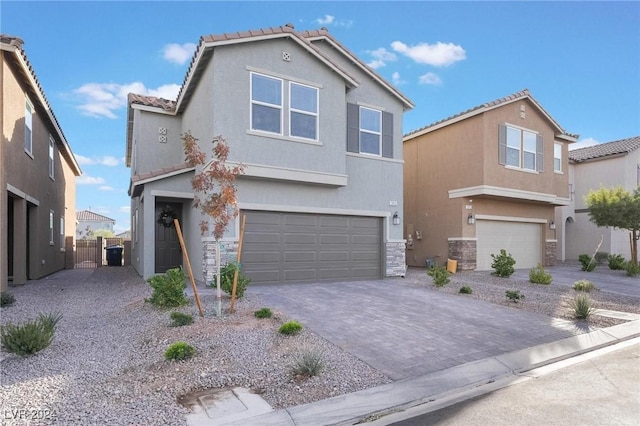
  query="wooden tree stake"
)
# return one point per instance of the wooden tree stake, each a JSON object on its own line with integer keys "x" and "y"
{"x": 189, "y": 271}
{"x": 237, "y": 271}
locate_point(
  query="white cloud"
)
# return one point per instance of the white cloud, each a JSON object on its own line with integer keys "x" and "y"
{"x": 327, "y": 20}
{"x": 331, "y": 20}
{"x": 106, "y": 188}
{"x": 583, "y": 144}
{"x": 395, "y": 78}
{"x": 89, "y": 180}
{"x": 430, "y": 78}
{"x": 125, "y": 209}
{"x": 437, "y": 55}
{"x": 103, "y": 99}
{"x": 107, "y": 160}
{"x": 380, "y": 57}
{"x": 178, "y": 53}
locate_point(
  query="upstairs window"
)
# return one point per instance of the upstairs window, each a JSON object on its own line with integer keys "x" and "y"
{"x": 303, "y": 112}
{"x": 557, "y": 157}
{"x": 51, "y": 156}
{"x": 520, "y": 148}
{"x": 369, "y": 131}
{"x": 266, "y": 103}
{"x": 28, "y": 126}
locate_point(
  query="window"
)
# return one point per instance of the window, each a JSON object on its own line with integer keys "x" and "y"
{"x": 557, "y": 157}
{"x": 266, "y": 103}
{"x": 520, "y": 148}
{"x": 51, "y": 156}
{"x": 369, "y": 131}
{"x": 62, "y": 232}
{"x": 135, "y": 228}
{"x": 28, "y": 126}
{"x": 303, "y": 121}
{"x": 51, "y": 227}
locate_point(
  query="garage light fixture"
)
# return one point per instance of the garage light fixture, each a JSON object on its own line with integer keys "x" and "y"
{"x": 396, "y": 219}
{"x": 552, "y": 225}
{"x": 471, "y": 220}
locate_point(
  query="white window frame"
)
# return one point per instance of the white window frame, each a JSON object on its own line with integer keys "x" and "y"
{"x": 521, "y": 148}
{"x": 304, "y": 112}
{"x": 61, "y": 231}
{"x": 370, "y": 131}
{"x": 52, "y": 150}
{"x": 28, "y": 125}
{"x": 557, "y": 157}
{"x": 135, "y": 228}
{"x": 528, "y": 151}
{"x": 51, "y": 222}
{"x": 266, "y": 104}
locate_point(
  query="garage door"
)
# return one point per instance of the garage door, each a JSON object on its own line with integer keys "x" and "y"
{"x": 522, "y": 240}
{"x": 297, "y": 247}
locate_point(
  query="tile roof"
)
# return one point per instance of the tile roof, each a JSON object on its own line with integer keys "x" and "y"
{"x": 89, "y": 216}
{"x": 152, "y": 101}
{"x": 490, "y": 105}
{"x": 622, "y": 146}
{"x": 15, "y": 45}
{"x": 160, "y": 172}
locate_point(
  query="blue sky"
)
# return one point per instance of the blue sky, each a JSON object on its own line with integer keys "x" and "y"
{"x": 580, "y": 60}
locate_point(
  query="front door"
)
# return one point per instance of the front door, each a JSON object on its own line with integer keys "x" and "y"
{"x": 168, "y": 252}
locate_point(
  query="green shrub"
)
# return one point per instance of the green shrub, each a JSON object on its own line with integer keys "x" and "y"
{"x": 227, "y": 273}
{"x": 263, "y": 313}
{"x": 632, "y": 268}
{"x": 601, "y": 257}
{"x": 503, "y": 264}
{"x": 30, "y": 337}
{"x": 588, "y": 263}
{"x": 583, "y": 285}
{"x": 179, "y": 351}
{"x": 439, "y": 274}
{"x": 514, "y": 295}
{"x": 6, "y": 299}
{"x": 168, "y": 289}
{"x": 582, "y": 306}
{"x": 616, "y": 262}
{"x": 290, "y": 327}
{"x": 538, "y": 275}
{"x": 466, "y": 290}
{"x": 179, "y": 319}
{"x": 308, "y": 363}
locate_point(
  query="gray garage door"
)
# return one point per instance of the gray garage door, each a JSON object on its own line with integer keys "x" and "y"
{"x": 522, "y": 240}
{"x": 297, "y": 247}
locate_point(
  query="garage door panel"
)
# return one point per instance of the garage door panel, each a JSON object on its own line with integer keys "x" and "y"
{"x": 263, "y": 218}
{"x": 365, "y": 222}
{"x": 363, "y": 272}
{"x": 334, "y": 256}
{"x": 522, "y": 240}
{"x": 300, "y": 256}
{"x": 334, "y": 274}
{"x": 300, "y": 275}
{"x": 263, "y": 276}
{"x": 263, "y": 238}
{"x": 364, "y": 255}
{"x": 251, "y": 257}
{"x": 300, "y": 238}
{"x": 300, "y": 220}
{"x": 366, "y": 240}
{"x": 334, "y": 239}
{"x": 334, "y": 222}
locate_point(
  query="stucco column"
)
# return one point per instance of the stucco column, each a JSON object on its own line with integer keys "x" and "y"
{"x": 19, "y": 241}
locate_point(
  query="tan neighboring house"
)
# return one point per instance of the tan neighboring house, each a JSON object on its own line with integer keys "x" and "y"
{"x": 606, "y": 165}
{"x": 486, "y": 179}
{"x": 89, "y": 222}
{"x": 37, "y": 210}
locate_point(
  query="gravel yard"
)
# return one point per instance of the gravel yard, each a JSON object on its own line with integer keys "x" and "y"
{"x": 106, "y": 365}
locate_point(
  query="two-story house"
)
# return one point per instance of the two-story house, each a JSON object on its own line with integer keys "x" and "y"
{"x": 320, "y": 134}
{"x": 37, "y": 177}
{"x": 484, "y": 180}
{"x": 606, "y": 165}
{"x": 88, "y": 222}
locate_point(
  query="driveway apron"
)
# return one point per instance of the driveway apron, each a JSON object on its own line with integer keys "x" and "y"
{"x": 405, "y": 330}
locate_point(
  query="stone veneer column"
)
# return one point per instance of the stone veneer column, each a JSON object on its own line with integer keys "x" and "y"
{"x": 550, "y": 250}
{"x": 464, "y": 251}
{"x": 395, "y": 265}
{"x": 228, "y": 253}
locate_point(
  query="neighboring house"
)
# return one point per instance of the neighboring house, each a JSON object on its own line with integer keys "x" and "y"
{"x": 89, "y": 222}
{"x": 604, "y": 165}
{"x": 320, "y": 134}
{"x": 483, "y": 180}
{"x": 37, "y": 175}
{"x": 126, "y": 235}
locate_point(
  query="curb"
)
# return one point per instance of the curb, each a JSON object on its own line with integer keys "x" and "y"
{"x": 492, "y": 373}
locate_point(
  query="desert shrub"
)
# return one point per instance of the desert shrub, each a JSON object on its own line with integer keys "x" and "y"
{"x": 514, "y": 295}
{"x": 588, "y": 263}
{"x": 538, "y": 275}
{"x": 179, "y": 319}
{"x": 583, "y": 285}
{"x": 168, "y": 289}
{"x": 582, "y": 306}
{"x": 601, "y": 257}
{"x": 616, "y": 262}
{"x": 30, "y": 337}
{"x": 227, "y": 273}
{"x": 263, "y": 313}
{"x": 503, "y": 264}
{"x": 439, "y": 274}
{"x": 632, "y": 268}
{"x": 466, "y": 290}
{"x": 290, "y": 327}
{"x": 179, "y": 351}
{"x": 308, "y": 363}
{"x": 6, "y": 299}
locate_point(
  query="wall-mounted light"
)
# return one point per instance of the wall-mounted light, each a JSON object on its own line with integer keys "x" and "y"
{"x": 471, "y": 220}
{"x": 552, "y": 225}
{"x": 396, "y": 219}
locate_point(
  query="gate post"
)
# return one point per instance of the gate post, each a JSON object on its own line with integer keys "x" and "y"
{"x": 69, "y": 253}
{"x": 100, "y": 252}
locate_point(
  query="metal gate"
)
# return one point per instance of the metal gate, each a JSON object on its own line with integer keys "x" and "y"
{"x": 87, "y": 254}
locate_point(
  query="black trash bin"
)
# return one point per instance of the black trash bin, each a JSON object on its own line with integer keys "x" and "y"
{"x": 114, "y": 255}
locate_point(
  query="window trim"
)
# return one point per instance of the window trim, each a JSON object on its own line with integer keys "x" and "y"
{"x": 52, "y": 156}
{"x": 51, "y": 223}
{"x": 62, "y": 235}
{"x": 253, "y": 102}
{"x": 315, "y": 114}
{"x": 503, "y": 148}
{"x": 28, "y": 124}
{"x": 372, "y": 132}
{"x": 559, "y": 146}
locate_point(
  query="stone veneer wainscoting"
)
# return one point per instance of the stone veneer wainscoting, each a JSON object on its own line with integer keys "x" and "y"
{"x": 228, "y": 253}
{"x": 464, "y": 251}
{"x": 550, "y": 248}
{"x": 396, "y": 265}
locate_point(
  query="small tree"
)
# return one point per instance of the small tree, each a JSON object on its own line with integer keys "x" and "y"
{"x": 617, "y": 208}
{"x": 216, "y": 182}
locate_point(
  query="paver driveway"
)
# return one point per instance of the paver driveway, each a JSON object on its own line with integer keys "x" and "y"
{"x": 404, "y": 330}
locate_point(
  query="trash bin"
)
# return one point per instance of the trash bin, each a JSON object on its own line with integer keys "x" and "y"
{"x": 114, "y": 255}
